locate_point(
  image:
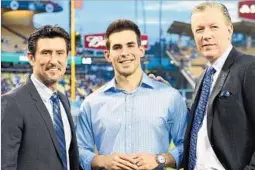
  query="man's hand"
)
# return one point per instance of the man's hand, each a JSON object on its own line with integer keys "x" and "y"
{"x": 160, "y": 79}
{"x": 118, "y": 161}
{"x": 145, "y": 161}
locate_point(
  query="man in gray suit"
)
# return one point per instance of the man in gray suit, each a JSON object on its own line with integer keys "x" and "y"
{"x": 37, "y": 128}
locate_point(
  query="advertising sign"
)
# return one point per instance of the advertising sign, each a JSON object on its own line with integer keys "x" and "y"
{"x": 97, "y": 41}
{"x": 246, "y": 9}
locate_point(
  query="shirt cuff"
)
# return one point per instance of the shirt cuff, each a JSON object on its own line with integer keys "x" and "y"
{"x": 86, "y": 159}
{"x": 177, "y": 155}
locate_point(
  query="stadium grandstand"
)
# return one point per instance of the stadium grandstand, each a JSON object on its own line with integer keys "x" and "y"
{"x": 179, "y": 64}
{"x": 92, "y": 70}
{"x": 17, "y": 24}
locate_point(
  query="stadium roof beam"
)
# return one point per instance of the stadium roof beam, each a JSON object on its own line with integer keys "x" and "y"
{"x": 180, "y": 28}
{"x": 245, "y": 27}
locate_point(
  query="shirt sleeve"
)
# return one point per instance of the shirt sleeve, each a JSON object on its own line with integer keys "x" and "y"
{"x": 84, "y": 135}
{"x": 178, "y": 118}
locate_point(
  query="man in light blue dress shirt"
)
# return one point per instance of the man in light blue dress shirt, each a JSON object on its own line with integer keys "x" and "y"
{"x": 132, "y": 119}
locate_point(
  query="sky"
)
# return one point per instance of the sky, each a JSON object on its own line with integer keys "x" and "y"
{"x": 96, "y": 15}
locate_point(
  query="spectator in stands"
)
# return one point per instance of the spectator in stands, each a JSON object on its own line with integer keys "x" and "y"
{"x": 193, "y": 54}
{"x": 6, "y": 85}
{"x": 127, "y": 119}
{"x": 37, "y": 129}
{"x": 221, "y": 134}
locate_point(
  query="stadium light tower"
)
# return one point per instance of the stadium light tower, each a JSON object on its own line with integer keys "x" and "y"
{"x": 136, "y": 16}
{"x": 72, "y": 31}
{"x": 160, "y": 33}
{"x": 144, "y": 17}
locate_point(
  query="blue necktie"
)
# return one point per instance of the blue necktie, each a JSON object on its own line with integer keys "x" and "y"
{"x": 199, "y": 115}
{"x": 59, "y": 128}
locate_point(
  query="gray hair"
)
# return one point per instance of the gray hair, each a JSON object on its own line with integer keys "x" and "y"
{"x": 223, "y": 9}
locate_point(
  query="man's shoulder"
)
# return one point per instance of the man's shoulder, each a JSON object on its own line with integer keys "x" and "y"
{"x": 16, "y": 96}
{"x": 157, "y": 85}
{"x": 96, "y": 94}
{"x": 164, "y": 89}
{"x": 93, "y": 99}
{"x": 16, "y": 92}
{"x": 243, "y": 58}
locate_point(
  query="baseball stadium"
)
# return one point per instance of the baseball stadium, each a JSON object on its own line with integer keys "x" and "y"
{"x": 171, "y": 53}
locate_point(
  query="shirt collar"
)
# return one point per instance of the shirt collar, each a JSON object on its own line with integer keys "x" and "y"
{"x": 110, "y": 85}
{"x": 146, "y": 82}
{"x": 43, "y": 90}
{"x": 218, "y": 64}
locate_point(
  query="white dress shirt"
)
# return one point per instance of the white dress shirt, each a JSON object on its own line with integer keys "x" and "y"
{"x": 45, "y": 94}
{"x": 206, "y": 158}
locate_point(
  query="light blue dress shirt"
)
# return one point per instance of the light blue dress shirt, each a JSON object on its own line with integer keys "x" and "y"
{"x": 145, "y": 120}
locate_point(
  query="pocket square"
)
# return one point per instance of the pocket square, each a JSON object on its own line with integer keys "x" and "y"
{"x": 225, "y": 93}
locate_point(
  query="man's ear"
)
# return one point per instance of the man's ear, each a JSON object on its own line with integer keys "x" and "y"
{"x": 142, "y": 50}
{"x": 31, "y": 58}
{"x": 230, "y": 30}
{"x": 107, "y": 56}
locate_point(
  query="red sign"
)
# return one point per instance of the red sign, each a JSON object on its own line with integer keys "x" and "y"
{"x": 246, "y": 9}
{"x": 97, "y": 41}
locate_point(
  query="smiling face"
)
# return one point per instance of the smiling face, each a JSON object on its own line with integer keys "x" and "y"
{"x": 124, "y": 53}
{"x": 211, "y": 32}
{"x": 50, "y": 60}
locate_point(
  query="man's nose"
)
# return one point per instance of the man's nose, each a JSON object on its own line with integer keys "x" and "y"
{"x": 207, "y": 34}
{"x": 125, "y": 52}
{"x": 54, "y": 58}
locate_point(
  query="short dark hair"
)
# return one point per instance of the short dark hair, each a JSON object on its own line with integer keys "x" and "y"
{"x": 47, "y": 31}
{"x": 121, "y": 25}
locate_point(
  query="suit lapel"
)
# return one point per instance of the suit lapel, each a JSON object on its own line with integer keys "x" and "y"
{"x": 217, "y": 88}
{"x": 41, "y": 108}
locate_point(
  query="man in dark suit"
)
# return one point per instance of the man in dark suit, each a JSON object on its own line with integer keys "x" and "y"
{"x": 220, "y": 134}
{"x": 37, "y": 128}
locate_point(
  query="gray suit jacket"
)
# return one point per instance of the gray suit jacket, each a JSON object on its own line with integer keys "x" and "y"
{"x": 28, "y": 137}
{"x": 230, "y": 114}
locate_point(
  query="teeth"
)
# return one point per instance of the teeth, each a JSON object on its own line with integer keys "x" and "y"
{"x": 53, "y": 69}
{"x": 126, "y": 61}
